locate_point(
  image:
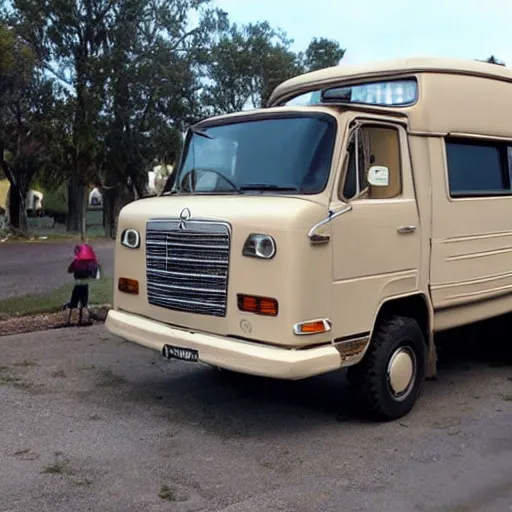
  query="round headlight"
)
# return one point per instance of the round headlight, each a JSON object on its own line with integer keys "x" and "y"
{"x": 130, "y": 238}
{"x": 265, "y": 247}
{"x": 260, "y": 246}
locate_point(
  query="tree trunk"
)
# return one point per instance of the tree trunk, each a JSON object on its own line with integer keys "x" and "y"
{"x": 133, "y": 191}
{"x": 18, "y": 219}
{"x": 110, "y": 210}
{"x": 16, "y": 212}
{"x": 77, "y": 206}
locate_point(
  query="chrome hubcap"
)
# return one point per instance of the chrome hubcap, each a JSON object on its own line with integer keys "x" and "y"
{"x": 401, "y": 372}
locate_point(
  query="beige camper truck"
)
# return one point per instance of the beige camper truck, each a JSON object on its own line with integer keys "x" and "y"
{"x": 363, "y": 210}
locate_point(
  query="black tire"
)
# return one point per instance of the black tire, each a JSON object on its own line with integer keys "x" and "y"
{"x": 370, "y": 376}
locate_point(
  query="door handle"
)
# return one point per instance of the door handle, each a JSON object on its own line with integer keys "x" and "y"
{"x": 404, "y": 230}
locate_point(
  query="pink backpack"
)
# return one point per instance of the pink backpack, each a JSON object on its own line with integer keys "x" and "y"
{"x": 85, "y": 258}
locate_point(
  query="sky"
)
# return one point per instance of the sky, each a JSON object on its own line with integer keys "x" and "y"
{"x": 372, "y": 30}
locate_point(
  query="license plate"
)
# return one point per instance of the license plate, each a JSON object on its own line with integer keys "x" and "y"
{"x": 183, "y": 354}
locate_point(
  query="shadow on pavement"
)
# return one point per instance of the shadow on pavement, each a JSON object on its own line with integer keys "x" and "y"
{"x": 235, "y": 405}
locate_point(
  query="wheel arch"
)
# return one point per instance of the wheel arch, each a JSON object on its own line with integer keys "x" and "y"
{"x": 419, "y": 307}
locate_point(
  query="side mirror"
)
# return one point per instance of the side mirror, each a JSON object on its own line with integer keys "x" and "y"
{"x": 378, "y": 176}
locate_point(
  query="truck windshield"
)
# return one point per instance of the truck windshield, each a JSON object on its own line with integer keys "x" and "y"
{"x": 271, "y": 155}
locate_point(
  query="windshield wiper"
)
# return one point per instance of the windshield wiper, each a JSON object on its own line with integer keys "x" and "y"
{"x": 267, "y": 186}
{"x": 192, "y": 172}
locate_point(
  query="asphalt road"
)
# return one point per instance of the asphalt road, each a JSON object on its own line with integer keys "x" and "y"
{"x": 41, "y": 267}
{"x": 92, "y": 423}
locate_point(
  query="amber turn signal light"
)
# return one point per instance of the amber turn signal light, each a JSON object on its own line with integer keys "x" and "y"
{"x": 258, "y": 305}
{"x": 312, "y": 327}
{"x": 128, "y": 286}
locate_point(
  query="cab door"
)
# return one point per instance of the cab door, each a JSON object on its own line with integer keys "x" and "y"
{"x": 376, "y": 244}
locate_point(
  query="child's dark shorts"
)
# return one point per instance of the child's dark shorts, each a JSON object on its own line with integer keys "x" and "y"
{"x": 80, "y": 295}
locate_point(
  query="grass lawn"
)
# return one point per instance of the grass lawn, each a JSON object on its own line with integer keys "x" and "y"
{"x": 100, "y": 292}
{"x": 41, "y": 237}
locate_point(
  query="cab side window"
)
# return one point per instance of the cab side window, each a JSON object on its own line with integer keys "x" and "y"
{"x": 369, "y": 146}
{"x": 355, "y": 177}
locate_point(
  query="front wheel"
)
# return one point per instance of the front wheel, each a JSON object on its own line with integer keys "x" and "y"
{"x": 391, "y": 374}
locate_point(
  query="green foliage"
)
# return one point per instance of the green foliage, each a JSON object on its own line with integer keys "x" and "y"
{"x": 107, "y": 88}
{"x": 100, "y": 292}
{"x": 24, "y": 111}
{"x": 248, "y": 62}
{"x": 73, "y": 48}
{"x": 55, "y": 200}
{"x": 322, "y": 53}
{"x": 59, "y": 165}
{"x": 244, "y": 65}
{"x": 152, "y": 84}
{"x": 17, "y": 62}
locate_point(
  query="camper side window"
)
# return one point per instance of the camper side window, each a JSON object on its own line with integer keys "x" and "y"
{"x": 372, "y": 145}
{"x": 478, "y": 168}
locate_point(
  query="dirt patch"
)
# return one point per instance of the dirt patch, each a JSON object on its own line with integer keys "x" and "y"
{"x": 47, "y": 321}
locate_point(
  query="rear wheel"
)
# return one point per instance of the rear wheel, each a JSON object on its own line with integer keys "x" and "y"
{"x": 390, "y": 376}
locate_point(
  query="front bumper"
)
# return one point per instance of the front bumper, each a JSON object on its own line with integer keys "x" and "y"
{"x": 230, "y": 354}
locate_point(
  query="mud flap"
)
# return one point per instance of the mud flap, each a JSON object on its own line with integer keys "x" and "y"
{"x": 431, "y": 369}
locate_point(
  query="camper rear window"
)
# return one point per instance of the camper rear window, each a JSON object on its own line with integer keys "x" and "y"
{"x": 478, "y": 168}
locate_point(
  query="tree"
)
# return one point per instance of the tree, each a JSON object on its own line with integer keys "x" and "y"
{"x": 58, "y": 167}
{"x": 243, "y": 65}
{"x": 246, "y": 63}
{"x": 227, "y": 66}
{"x": 70, "y": 40}
{"x": 115, "y": 56}
{"x": 322, "y": 53}
{"x": 273, "y": 61}
{"x": 127, "y": 77}
{"x": 25, "y": 104}
{"x": 152, "y": 90}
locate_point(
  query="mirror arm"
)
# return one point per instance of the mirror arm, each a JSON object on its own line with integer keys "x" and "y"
{"x": 316, "y": 238}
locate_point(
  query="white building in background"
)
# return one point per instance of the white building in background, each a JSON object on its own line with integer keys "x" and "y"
{"x": 157, "y": 178}
{"x": 34, "y": 201}
{"x": 151, "y": 182}
{"x": 156, "y": 181}
{"x": 95, "y": 197}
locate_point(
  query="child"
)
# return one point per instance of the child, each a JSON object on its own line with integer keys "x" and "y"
{"x": 83, "y": 267}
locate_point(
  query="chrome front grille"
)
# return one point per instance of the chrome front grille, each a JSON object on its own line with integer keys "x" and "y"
{"x": 187, "y": 266}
